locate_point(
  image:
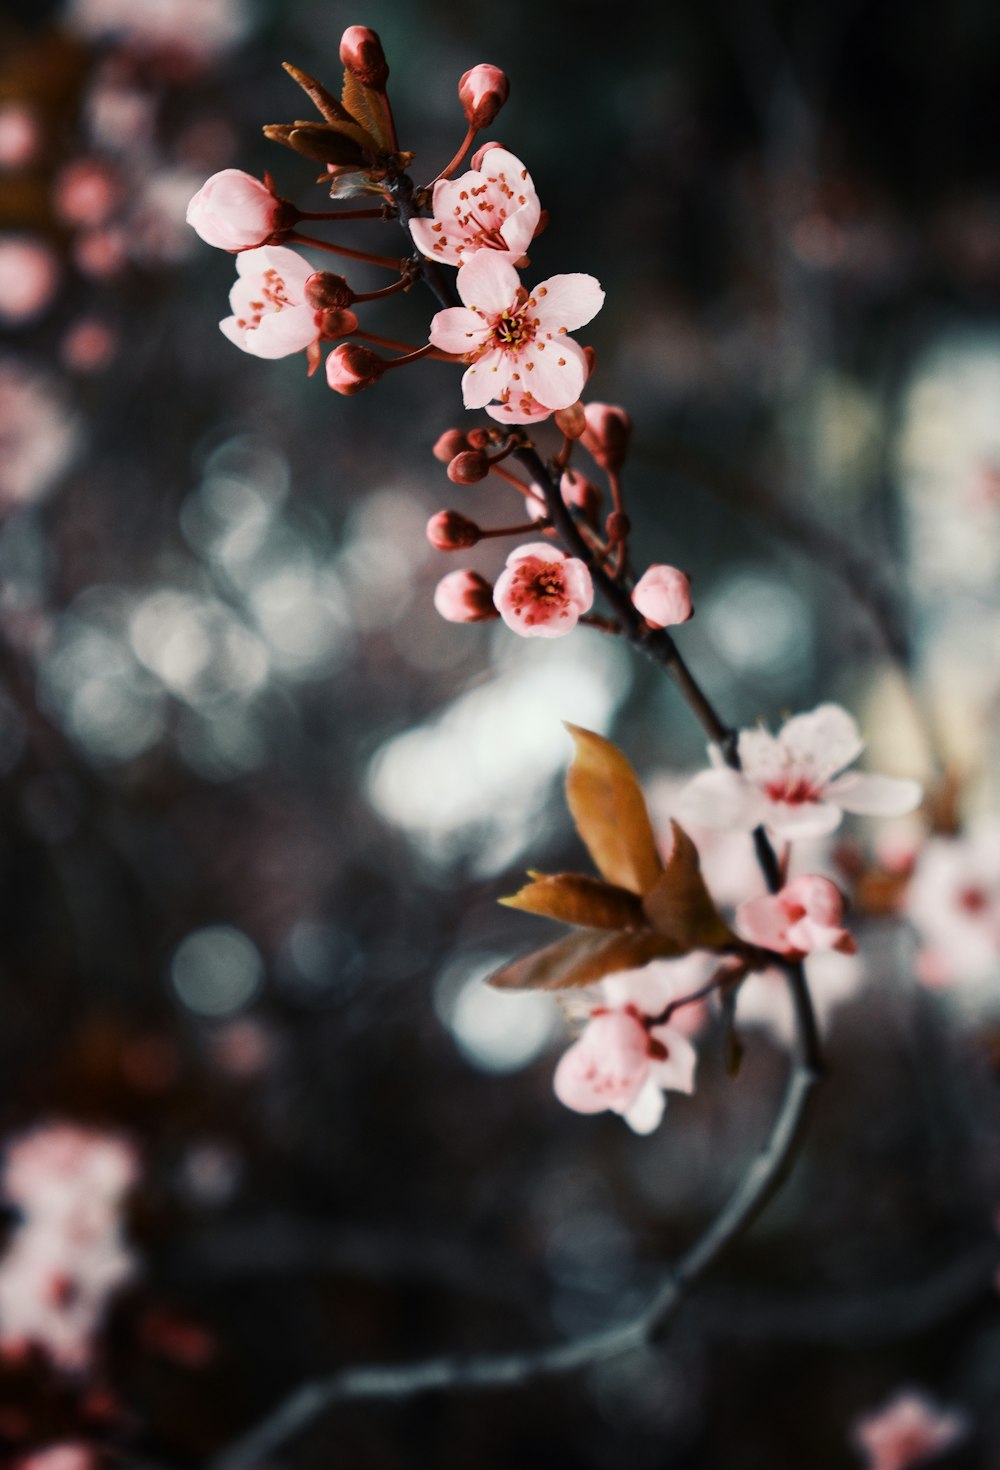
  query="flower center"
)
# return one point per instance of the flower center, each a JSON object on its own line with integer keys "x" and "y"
{"x": 792, "y": 790}
{"x": 538, "y": 592}
{"x": 511, "y": 331}
{"x": 275, "y": 296}
{"x": 973, "y": 900}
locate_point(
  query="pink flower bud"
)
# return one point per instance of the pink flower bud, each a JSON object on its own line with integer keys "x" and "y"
{"x": 449, "y": 530}
{"x": 464, "y": 597}
{"x": 482, "y": 92}
{"x": 583, "y": 494}
{"x": 806, "y": 915}
{"x": 448, "y": 444}
{"x": 334, "y": 324}
{"x": 362, "y": 55}
{"x": 663, "y": 596}
{"x": 469, "y": 467}
{"x": 235, "y": 211}
{"x": 617, "y": 527}
{"x": 607, "y": 434}
{"x": 479, "y": 438}
{"x": 571, "y": 421}
{"x": 351, "y": 368}
{"x": 328, "y": 292}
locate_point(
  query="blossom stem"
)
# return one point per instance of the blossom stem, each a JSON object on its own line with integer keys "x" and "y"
{"x": 405, "y": 280}
{"x": 514, "y": 530}
{"x": 406, "y": 347}
{"x": 519, "y": 485}
{"x": 447, "y": 172}
{"x": 387, "y": 262}
{"x": 414, "y": 356}
{"x": 339, "y": 214}
{"x": 390, "y": 121}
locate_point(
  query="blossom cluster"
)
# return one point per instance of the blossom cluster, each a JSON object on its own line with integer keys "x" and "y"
{"x": 67, "y": 1254}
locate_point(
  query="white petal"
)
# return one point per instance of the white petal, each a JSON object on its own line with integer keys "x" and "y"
{"x": 761, "y": 757}
{"x": 826, "y": 739}
{"x": 283, "y": 332}
{"x": 540, "y": 549}
{"x": 677, "y": 1072}
{"x": 568, "y": 301}
{"x": 721, "y": 799}
{"x": 519, "y": 410}
{"x": 875, "y": 796}
{"x": 645, "y": 1113}
{"x": 485, "y": 379}
{"x": 518, "y": 229}
{"x": 457, "y": 330}
{"x": 555, "y": 369}
{"x": 236, "y": 334}
{"x": 425, "y": 236}
{"x": 488, "y": 283}
{"x": 798, "y": 819}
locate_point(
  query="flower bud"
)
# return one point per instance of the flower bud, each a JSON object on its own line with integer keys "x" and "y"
{"x": 465, "y": 597}
{"x": 362, "y": 55}
{"x": 334, "y": 324}
{"x": 480, "y": 438}
{"x": 482, "y": 92}
{"x": 591, "y": 357}
{"x": 328, "y": 292}
{"x": 234, "y": 211}
{"x": 469, "y": 467}
{"x": 607, "y": 434}
{"x": 663, "y": 596}
{"x": 617, "y": 527}
{"x": 450, "y": 443}
{"x": 449, "y": 530}
{"x": 571, "y": 421}
{"x": 582, "y": 494}
{"x": 351, "y": 368}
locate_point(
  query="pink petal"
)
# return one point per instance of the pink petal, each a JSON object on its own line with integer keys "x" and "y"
{"x": 542, "y": 550}
{"x": 676, "y": 1071}
{"x": 487, "y": 377}
{"x": 826, "y": 739}
{"x": 458, "y": 330}
{"x": 721, "y": 798}
{"x": 568, "y": 301}
{"x": 875, "y": 796}
{"x": 283, "y": 332}
{"x": 764, "y": 921}
{"x": 292, "y": 267}
{"x": 488, "y": 283}
{"x": 556, "y": 370}
{"x": 645, "y": 1114}
{"x": 793, "y": 820}
{"x": 519, "y": 409}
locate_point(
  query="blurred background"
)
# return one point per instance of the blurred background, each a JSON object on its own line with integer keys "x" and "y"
{"x": 259, "y": 800}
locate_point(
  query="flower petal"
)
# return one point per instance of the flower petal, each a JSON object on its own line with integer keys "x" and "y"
{"x": 798, "y": 819}
{"x": 676, "y": 1071}
{"x": 646, "y": 1112}
{"x": 283, "y": 332}
{"x": 825, "y": 740}
{"x": 488, "y": 282}
{"x": 485, "y": 379}
{"x": 567, "y": 302}
{"x": 722, "y": 799}
{"x": 458, "y": 330}
{"x": 875, "y": 796}
{"x": 556, "y": 369}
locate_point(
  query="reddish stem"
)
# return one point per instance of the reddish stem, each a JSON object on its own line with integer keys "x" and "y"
{"x": 385, "y": 261}
{"x": 400, "y": 285}
{"x": 335, "y": 214}
{"x": 514, "y": 530}
{"x": 447, "y": 172}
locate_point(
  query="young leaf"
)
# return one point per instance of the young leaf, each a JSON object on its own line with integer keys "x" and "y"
{"x": 574, "y": 898}
{"x": 610, "y": 813}
{"x": 583, "y": 958}
{"x": 323, "y": 101}
{"x": 341, "y": 143}
{"x": 363, "y": 104}
{"x": 680, "y": 907}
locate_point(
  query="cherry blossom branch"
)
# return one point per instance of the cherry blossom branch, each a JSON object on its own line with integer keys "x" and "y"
{"x": 458, "y": 1372}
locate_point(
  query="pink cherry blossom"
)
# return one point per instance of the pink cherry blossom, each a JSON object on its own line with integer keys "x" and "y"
{"x": 86, "y": 192}
{"x": 235, "y": 211}
{"x": 20, "y": 135}
{"x": 59, "y": 1457}
{"x": 623, "y": 1064}
{"x": 796, "y": 783}
{"x": 516, "y": 344}
{"x": 493, "y": 208}
{"x": 953, "y": 902}
{"x": 271, "y": 316}
{"x": 663, "y": 596}
{"x": 909, "y": 1430}
{"x": 805, "y": 916}
{"x": 519, "y": 408}
{"x": 542, "y": 592}
{"x": 29, "y": 275}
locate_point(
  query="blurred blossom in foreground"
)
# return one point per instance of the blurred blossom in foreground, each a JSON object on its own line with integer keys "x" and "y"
{"x": 29, "y": 275}
{"x": 198, "y": 29}
{"x": 38, "y": 435}
{"x": 954, "y": 904}
{"x": 67, "y": 1255}
{"x": 909, "y": 1430}
{"x": 59, "y": 1457}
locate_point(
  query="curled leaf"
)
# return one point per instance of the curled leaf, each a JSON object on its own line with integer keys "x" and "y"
{"x": 574, "y": 898}
{"x": 582, "y": 959}
{"x": 340, "y": 143}
{"x": 365, "y": 107}
{"x": 324, "y": 101}
{"x": 679, "y": 905}
{"x": 610, "y": 813}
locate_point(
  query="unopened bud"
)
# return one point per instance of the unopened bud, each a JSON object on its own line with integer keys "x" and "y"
{"x": 479, "y": 438}
{"x": 450, "y": 443}
{"x": 469, "y": 467}
{"x": 362, "y": 55}
{"x": 617, "y": 527}
{"x": 465, "y": 597}
{"x": 449, "y": 530}
{"x": 351, "y": 368}
{"x": 571, "y": 421}
{"x": 583, "y": 495}
{"x": 482, "y": 92}
{"x": 328, "y": 292}
{"x": 334, "y": 324}
{"x": 606, "y": 435}
{"x": 663, "y": 596}
{"x": 591, "y": 357}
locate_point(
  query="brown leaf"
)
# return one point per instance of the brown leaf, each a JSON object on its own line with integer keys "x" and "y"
{"x": 324, "y": 101}
{"x": 574, "y": 898}
{"x": 680, "y": 907}
{"x": 582, "y": 959}
{"x": 342, "y": 143}
{"x": 610, "y": 813}
{"x": 365, "y": 107}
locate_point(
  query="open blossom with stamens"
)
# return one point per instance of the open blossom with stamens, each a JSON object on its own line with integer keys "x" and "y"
{"x": 805, "y": 916}
{"x": 492, "y": 208}
{"x": 909, "y": 1430}
{"x": 796, "y": 782}
{"x": 953, "y": 902}
{"x": 516, "y": 343}
{"x": 623, "y": 1064}
{"x": 271, "y": 314}
{"x": 542, "y": 592}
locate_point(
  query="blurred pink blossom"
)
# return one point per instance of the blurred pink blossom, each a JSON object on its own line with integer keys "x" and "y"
{"x": 542, "y": 592}
{"x": 494, "y": 208}
{"x": 59, "y": 1457}
{"x": 29, "y": 276}
{"x": 909, "y": 1430}
{"x": 86, "y": 192}
{"x": 796, "y": 783}
{"x": 89, "y": 346}
{"x": 805, "y": 916}
{"x": 953, "y": 902}
{"x": 20, "y": 136}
